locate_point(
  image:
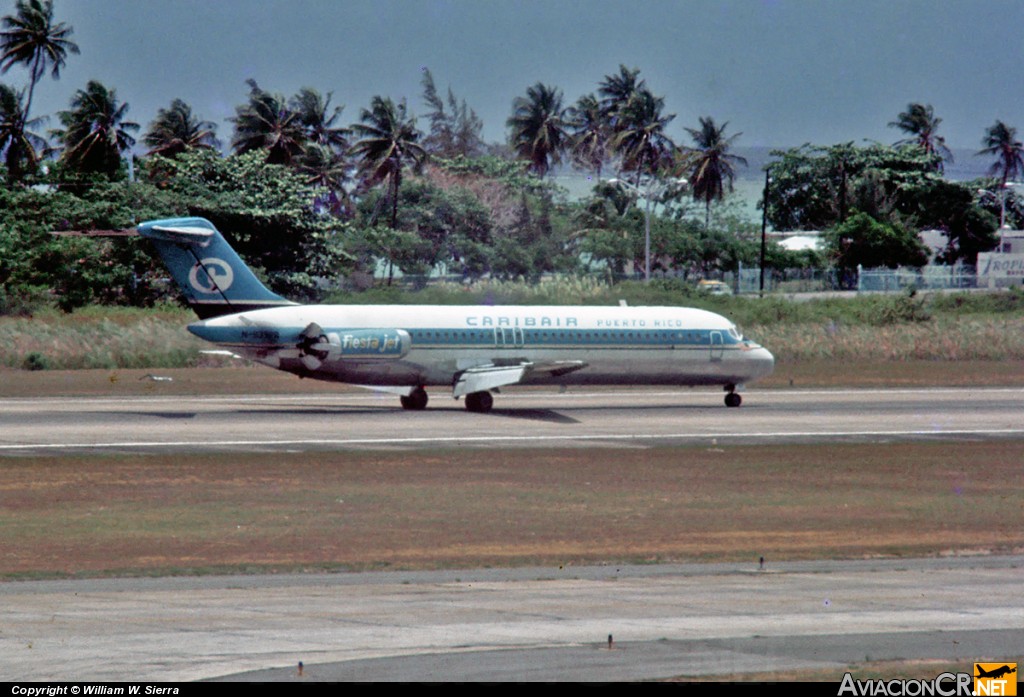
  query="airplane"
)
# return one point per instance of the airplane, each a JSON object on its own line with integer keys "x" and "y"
{"x": 471, "y": 350}
{"x": 996, "y": 672}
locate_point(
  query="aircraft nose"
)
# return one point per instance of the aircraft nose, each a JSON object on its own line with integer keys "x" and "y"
{"x": 763, "y": 362}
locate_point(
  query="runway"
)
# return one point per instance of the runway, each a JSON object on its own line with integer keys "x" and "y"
{"x": 510, "y": 624}
{"x": 518, "y": 624}
{"x": 525, "y": 418}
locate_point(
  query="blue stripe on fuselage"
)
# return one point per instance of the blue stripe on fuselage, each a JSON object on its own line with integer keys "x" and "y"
{"x": 271, "y": 337}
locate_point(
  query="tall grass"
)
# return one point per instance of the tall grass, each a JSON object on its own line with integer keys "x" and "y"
{"x": 989, "y": 339}
{"x": 99, "y": 338}
{"x": 985, "y": 326}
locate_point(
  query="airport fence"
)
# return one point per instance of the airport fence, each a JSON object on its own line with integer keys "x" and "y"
{"x": 933, "y": 277}
{"x": 747, "y": 280}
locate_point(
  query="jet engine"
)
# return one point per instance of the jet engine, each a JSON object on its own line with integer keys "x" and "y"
{"x": 317, "y": 347}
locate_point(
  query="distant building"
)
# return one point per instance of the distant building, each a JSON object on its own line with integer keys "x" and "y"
{"x": 801, "y": 241}
{"x": 1013, "y": 241}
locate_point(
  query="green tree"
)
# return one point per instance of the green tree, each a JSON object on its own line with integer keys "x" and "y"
{"x": 454, "y": 131}
{"x": 266, "y": 123}
{"x": 616, "y": 91}
{"x": 812, "y": 187}
{"x": 954, "y": 208}
{"x": 713, "y": 166}
{"x": 921, "y": 124}
{"x": 19, "y": 145}
{"x": 31, "y": 38}
{"x": 95, "y": 131}
{"x": 640, "y": 137}
{"x": 1001, "y": 142}
{"x": 863, "y": 241}
{"x": 610, "y": 228}
{"x": 269, "y": 212}
{"x": 388, "y": 142}
{"x": 175, "y": 130}
{"x": 589, "y": 141}
{"x": 538, "y": 127}
{"x": 321, "y": 166}
{"x": 319, "y": 121}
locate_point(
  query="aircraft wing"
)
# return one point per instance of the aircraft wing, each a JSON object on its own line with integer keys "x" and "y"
{"x": 487, "y": 377}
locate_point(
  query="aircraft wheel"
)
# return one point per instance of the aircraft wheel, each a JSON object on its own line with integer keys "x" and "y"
{"x": 733, "y": 400}
{"x": 479, "y": 402}
{"x": 416, "y": 401}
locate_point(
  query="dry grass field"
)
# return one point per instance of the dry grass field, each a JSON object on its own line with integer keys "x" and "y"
{"x": 369, "y": 510}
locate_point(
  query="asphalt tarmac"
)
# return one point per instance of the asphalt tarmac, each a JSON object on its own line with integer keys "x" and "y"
{"x": 520, "y": 419}
{"x": 519, "y": 624}
{"x": 547, "y": 624}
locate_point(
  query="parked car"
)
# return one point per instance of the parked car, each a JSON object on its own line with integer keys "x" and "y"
{"x": 714, "y": 288}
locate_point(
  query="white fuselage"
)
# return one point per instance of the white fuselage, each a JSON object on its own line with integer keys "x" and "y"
{"x": 618, "y": 345}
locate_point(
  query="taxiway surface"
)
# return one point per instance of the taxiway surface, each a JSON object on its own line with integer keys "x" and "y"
{"x": 519, "y": 419}
{"x": 525, "y": 624}
{"x": 514, "y": 624}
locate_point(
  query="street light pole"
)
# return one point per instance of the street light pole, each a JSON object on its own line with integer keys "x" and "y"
{"x": 1002, "y": 208}
{"x": 648, "y": 195}
{"x": 647, "y": 237}
{"x": 764, "y": 227}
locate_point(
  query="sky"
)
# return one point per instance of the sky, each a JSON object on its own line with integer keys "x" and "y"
{"x": 781, "y": 72}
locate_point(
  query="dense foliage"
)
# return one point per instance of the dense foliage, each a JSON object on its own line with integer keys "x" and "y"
{"x": 314, "y": 204}
{"x": 899, "y": 188}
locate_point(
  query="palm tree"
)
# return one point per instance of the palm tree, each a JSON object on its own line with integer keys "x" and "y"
{"x": 31, "y": 38}
{"x": 18, "y": 144}
{"x": 712, "y": 167}
{"x": 616, "y": 91}
{"x": 1001, "y": 141}
{"x": 267, "y": 123}
{"x": 175, "y": 130}
{"x": 640, "y": 137}
{"x": 322, "y": 166}
{"x": 388, "y": 140}
{"x": 589, "y": 142}
{"x": 95, "y": 132}
{"x": 920, "y": 122}
{"x": 538, "y": 124}
{"x": 316, "y": 117}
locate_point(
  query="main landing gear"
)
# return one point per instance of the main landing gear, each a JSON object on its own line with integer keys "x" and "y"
{"x": 416, "y": 401}
{"x": 732, "y": 399}
{"x": 479, "y": 402}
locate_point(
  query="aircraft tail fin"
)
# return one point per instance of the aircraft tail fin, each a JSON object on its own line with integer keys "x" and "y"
{"x": 213, "y": 278}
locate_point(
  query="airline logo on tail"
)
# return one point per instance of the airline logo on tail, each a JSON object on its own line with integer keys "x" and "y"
{"x": 211, "y": 275}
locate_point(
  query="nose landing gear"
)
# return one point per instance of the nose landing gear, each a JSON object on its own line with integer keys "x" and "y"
{"x": 732, "y": 399}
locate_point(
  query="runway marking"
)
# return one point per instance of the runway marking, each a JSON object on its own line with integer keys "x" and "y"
{"x": 538, "y": 394}
{"x": 515, "y": 439}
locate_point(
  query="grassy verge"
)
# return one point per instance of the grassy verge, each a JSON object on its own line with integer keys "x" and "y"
{"x": 894, "y": 328}
{"x": 371, "y": 510}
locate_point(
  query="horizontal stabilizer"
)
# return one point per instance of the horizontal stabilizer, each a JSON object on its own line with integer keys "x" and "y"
{"x": 187, "y": 234}
{"x": 211, "y": 276}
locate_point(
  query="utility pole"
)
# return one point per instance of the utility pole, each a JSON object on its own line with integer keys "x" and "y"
{"x": 764, "y": 227}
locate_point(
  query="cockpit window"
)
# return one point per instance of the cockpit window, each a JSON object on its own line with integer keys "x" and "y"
{"x": 735, "y": 333}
